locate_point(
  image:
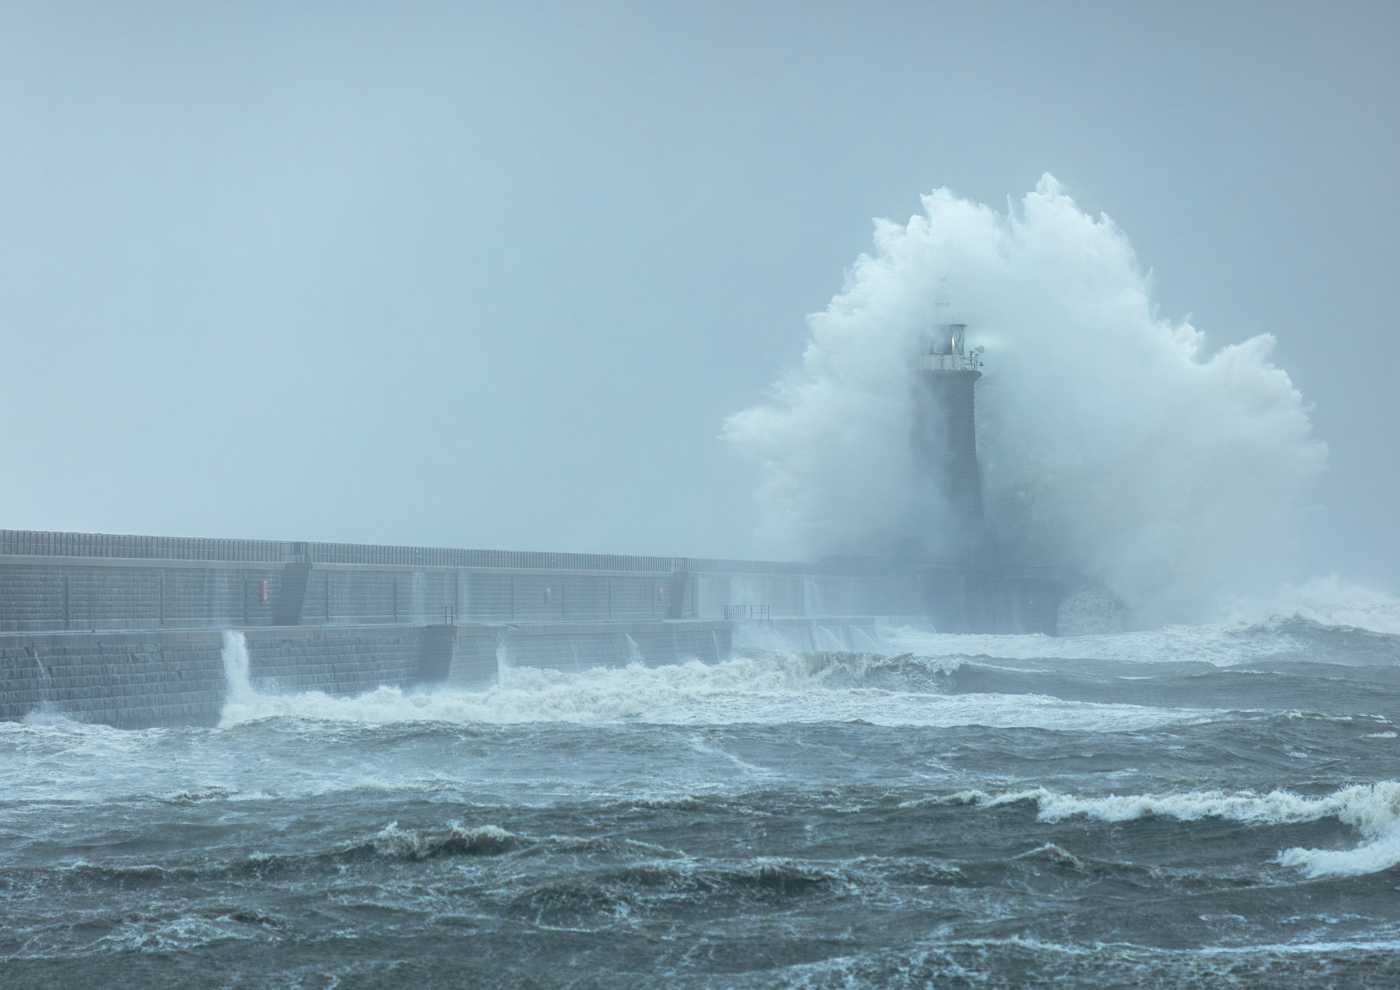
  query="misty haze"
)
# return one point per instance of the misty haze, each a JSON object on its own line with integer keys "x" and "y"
{"x": 485, "y": 507}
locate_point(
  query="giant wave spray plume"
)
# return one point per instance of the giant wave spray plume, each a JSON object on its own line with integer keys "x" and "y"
{"x": 1213, "y": 804}
{"x": 1112, "y": 442}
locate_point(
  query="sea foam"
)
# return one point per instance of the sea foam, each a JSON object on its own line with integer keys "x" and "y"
{"x": 774, "y": 688}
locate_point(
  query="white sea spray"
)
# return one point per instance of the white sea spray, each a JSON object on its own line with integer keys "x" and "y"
{"x": 1112, "y": 440}
{"x": 235, "y": 657}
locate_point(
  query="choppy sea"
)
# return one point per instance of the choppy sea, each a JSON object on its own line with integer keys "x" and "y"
{"x": 1213, "y": 806}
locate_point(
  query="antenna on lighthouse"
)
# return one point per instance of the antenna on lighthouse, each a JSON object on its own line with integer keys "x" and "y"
{"x": 944, "y": 337}
{"x": 942, "y": 303}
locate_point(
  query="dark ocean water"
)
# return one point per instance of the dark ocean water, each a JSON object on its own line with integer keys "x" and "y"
{"x": 1205, "y": 807}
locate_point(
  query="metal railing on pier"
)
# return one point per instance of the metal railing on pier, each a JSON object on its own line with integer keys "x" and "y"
{"x": 45, "y": 544}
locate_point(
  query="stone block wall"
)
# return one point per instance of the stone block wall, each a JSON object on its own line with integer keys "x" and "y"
{"x": 127, "y": 680}
{"x": 146, "y": 678}
{"x": 335, "y": 661}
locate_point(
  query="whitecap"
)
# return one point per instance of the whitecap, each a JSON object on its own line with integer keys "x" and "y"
{"x": 1372, "y": 809}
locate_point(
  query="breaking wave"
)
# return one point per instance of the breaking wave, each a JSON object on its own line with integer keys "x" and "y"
{"x": 1327, "y": 602}
{"x": 458, "y": 840}
{"x": 1371, "y": 809}
{"x": 1346, "y": 633}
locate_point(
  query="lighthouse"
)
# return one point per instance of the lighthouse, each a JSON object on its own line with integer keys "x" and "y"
{"x": 945, "y": 438}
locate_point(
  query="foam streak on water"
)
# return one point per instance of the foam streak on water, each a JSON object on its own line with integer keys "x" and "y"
{"x": 1209, "y": 806}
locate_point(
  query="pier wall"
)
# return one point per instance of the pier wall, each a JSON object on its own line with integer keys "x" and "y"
{"x": 142, "y": 678}
{"x": 127, "y": 631}
{"x": 75, "y": 593}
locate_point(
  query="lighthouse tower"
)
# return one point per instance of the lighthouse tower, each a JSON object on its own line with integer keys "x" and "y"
{"x": 945, "y": 437}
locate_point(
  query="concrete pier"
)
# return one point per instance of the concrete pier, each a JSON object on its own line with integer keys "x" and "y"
{"x": 127, "y": 631}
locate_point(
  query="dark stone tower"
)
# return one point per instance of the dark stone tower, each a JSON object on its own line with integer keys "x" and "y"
{"x": 945, "y": 439}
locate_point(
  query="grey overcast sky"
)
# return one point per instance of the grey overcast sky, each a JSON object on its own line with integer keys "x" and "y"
{"x": 492, "y": 275}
